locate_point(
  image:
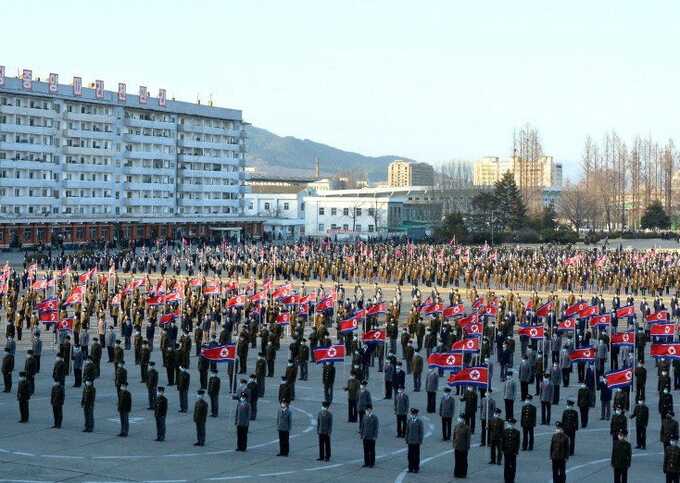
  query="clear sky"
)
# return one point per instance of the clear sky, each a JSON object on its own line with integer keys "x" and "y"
{"x": 431, "y": 80}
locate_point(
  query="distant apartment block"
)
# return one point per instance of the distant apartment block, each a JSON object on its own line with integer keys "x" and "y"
{"x": 409, "y": 173}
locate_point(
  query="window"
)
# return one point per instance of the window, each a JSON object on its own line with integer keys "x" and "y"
{"x": 322, "y": 211}
{"x": 370, "y": 228}
{"x": 334, "y": 211}
{"x": 345, "y": 212}
{"x": 357, "y": 211}
{"x": 321, "y": 227}
{"x": 345, "y": 227}
{"x": 371, "y": 212}
{"x": 286, "y": 206}
{"x": 267, "y": 206}
{"x": 357, "y": 228}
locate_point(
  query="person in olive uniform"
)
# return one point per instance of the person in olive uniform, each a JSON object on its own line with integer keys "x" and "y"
{"x": 415, "y": 432}
{"x": 152, "y": 384}
{"x": 641, "y": 415}
{"x": 559, "y": 454}
{"x": 447, "y": 408}
{"x": 369, "y": 428}
{"x": 461, "y": 447}
{"x": 570, "y": 425}
{"x": 528, "y": 423}
{"x": 496, "y": 437}
{"x": 200, "y": 417}
{"x": 352, "y": 398}
{"x": 160, "y": 411}
{"x": 242, "y": 421}
{"x": 622, "y": 455}
{"x": 183, "y": 389}
{"x": 23, "y": 396}
{"x": 328, "y": 379}
{"x": 57, "y": 400}
{"x": 511, "y": 441}
{"x": 324, "y": 428}
{"x": 87, "y": 403}
{"x": 214, "y": 393}
{"x": 671, "y": 461}
{"x": 7, "y": 369}
{"x": 283, "y": 424}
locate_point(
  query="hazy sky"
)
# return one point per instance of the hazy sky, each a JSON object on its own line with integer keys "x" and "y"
{"x": 430, "y": 80}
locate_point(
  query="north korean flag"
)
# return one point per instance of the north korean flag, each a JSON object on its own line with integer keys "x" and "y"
{"x": 431, "y": 309}
{"x": 623, "y": 339}
{"x": 470, "y": 319}
{"x": 308, "y": 298}
{"x": 622, "y": 378}
{"x": 545, "y": 309}
{"x": 134, "y": 284}
{"x": 326, "y": 304}
{"x": 168, "y": 318}
{"x": 376, "y": 336}
{"x": 466, "y": 345}
{"x": 454, "y": 311}
{"x": 445, "y": 360}
{"x": 221, "y": 353}
{"x": 575, "y": 309}
{"x": 283, "y": 318}
{"x": 48, "y": 317}
{"x": 173, "y": 297}
{"x": 66, "y": 324}
{"x": 116, "y": 299}
{"x": 237, "y": 301}
{"x": 85, "y": 277}
{"x": 532, "y": 331}
{"x": 155, "y": 300}
{"x": 657, "y": 317}
{"x": 601, "y": 321}
{"x": 195, "y": 282}
{"x": 334, "y": 353}
{"x": 376, "y": 309}
{"x": 567, "y": 324}
{"x": 258, "y": 297}
{"x": 588, "y": 311}
{"x": 290, "y": 299}
{"x": 282, "y": 290}
{"x": 662, "y": 330}
{"x": 348, "y": 326}
{"x": 489, "y": 311}
{"x": 76, "y": 296}
{"x": 303, "y": 309}
{"x": 627, "y": 311}
{"x": 478, "y": 303}
{"x": 48, "y": 304}
{"x": 212, "y": 289}
{"x": 670, "y": 351}
{"x": 470, "y": 376}
{"x": 584, "y": 354}
{"x": 39, "y": 285}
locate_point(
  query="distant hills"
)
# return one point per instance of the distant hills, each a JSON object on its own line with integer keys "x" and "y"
{"x": 270, "y": 153}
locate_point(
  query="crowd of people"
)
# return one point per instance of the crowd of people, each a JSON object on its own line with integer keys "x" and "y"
{"x": 261, "y": 298}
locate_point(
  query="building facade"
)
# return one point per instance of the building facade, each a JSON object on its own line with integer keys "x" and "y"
{"x": 545, "y": 173}
{"x": 409, "y": 173}
{"x": 86, "y": 160}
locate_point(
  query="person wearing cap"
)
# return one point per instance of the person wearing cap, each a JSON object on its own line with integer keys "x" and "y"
{"x": 160, "y": 412}
{"x": 368, "y": 430}
{"x": 641, "y": 415}
{"x": 622, "y": 455}
{"x": 414, "y": 435}
{"x": 7, "y": 369}
{"x": 447, "y": 408}
{"x": 291, "y": 377}
{"x": 283, "y": 425}
{"x": 671, "y": 461}
{"x": 510, "y": 394}
{"x": 96, "y": 354}
{"x": 559, "y": 454}
{"x": 665, "y": 401}
{"x": 144, "y": 359}
{"x": 364, "y": 400}
{"x": 200, "y": 417}
{"x": 284, "y": 390}
{"x": 59, "y": 370}
{"x": 431, "y": 387}
{"x": 461, "y": 447}
{"x": 251, "y": 391}
{"x": 260, "y": 374}
{"x": 618, "y": 423}
{"x": 487, "y": 408}
{"x": 303, "y": 360}
{"x": 669, "y": 429}
{"x": 57, "y": 401}
{"x": 242, "y": 421}
{"x": 328, "y": 380}
{"x": 183, "y": 388}
{"x": 120, "y": 375}
{"x": 214, "y": 393}
{"x": 510, "y": 450}
{"x": 496, "y": 437}
{"x": 570, "y": 424}
{"x": 23, "y": 396}
{"x": 470, "y": 400}
{"x": 118, "y": 353}
{"x": 401, "y": 410}
{"x": 30, "y": 370}
{"x": 87, "y": 403}
{"x": 151, "y": 384}
{"x": 124, "y": 408}
{"x": 77, "y": 357}
{"x": 583, "y": 403}
{"x": 528, "y": 423}
{"x": 37, "y": 346}
{"x": 324, "y": 428}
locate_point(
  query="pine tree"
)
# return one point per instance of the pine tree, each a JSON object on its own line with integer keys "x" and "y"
{"x": 510, "y": 209}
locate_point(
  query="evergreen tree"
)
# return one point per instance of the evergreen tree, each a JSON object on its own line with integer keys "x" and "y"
{"x": 510, "y": 209}
{"x": 655, "y": 217}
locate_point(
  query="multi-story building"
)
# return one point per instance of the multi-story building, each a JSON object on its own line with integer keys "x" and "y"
{"x": 91, "y": 164}
{"x": 402, "y": 173}
{"x": 545, "y": 173}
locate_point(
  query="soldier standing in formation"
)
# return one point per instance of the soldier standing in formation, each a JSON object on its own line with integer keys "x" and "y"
{"x": 200, "y": 417}
{"x": 559, "y": 454}
{"x": 124, "y": 409}
{"x": 415, "y": 433}
{"x": 431, "y": 387}
{"x": 152, "y": 384}
{"x": 496, "y": 437}
{"x": 369, "y": 427}
{"x": 214, "y": 393}
{"x": 461, "y": 446}
{"x": 528, "y": 423}
{"x": 622, "y": 454}
{"x": 87, "y": 403}
{"x": 324, "y": 428}
{"x": 447, "y": 408}
{"x": 283, "y": 424}
{"x": 160, "y": 411}
{"x": 328, "y": 379}
{"x": 671, "y": 461}
{"x": 242, "y": 421}
{"x": 510, "y": 450}
{"x": 7, "y": 369}
{"x": 183, "y": 381}
{"x": 23, "y": 396}
{"x": 57, "y": 400}
{"x": 401, "y": 408}
{"x": 641, "y": 415}
{"x": 570, "y": 425}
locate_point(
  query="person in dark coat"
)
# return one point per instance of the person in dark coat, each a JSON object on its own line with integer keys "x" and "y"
{"x": 283, "y": 425}
{"x": 242, "y": 421}
{"x": 470, "y": 400}
{"x": 461, "y": 447}
{"x": 671, "y": 461}
{"x": 87, "y": 403}
{"x": 618, "y": 423}
{"x": 622, "y": 455}
{"x": 183, "y": 381}
{"x": 369, "y": 428}
{"x": 200, "y": 418}
{"x": 152, "y": 384}
{"x": 669, "y": 429}
{"x": 59, "y": 370}
{"x": 214, "y": 393}
{"x": 415, "y": 432}
{"x": 447, "y": 408}
{"x": 511, "y": 442}
{"x": 401, "y": 410}
{"x": 328, "y": 379}
{"x": 57, "y": 400}
{"x": 23, "y": 396}
{"x": 160, "y": 411}
{"x": 324, "y": 428}
{"x": 124, "y": 408}
{"x": 583, "y": 403}
{"x": 570, "y": 425}
{"x": 559, "y": 454}
{"x": 496, "y": 437}
{"x": 641, "y": 415}
{"x": 7, "y": 369}
{"x": 528, "y": 423}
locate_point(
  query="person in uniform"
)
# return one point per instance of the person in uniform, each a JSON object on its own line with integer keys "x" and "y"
{"x": 23, "y": 396}
{"x": 214, "y": 393}
{"x": 401, "y": 409}
{"x": 570, "y": 425}
{"x": 200, "y": 417}
{"x": 283, "y": 424}
{"x": 622, "y": 455}
{"x": 470, "y": 400}
{"x": 487, "y": 408}
{"x": 431, "y": 387}
{"x": 641, "y": 415}
{"x": 496, "y": 437}
{"x": 364, "y": 400}
{"x": 7, "y": 369}
{"x": 447, "y": 408}
{"x": 124, "y": 408}
{"x": 183, "y": 388}
{"x": 160, "y": 411}
{"x": 583, "y": 403}
{"x": 328, "y": 379}
{"x": 671, "y": 461}
{"x": 152, "y": 384}
{"x": 546, "y": 400}
{"x": 669, "y": 429}
{"x": 242, "y": 421}
{"x": 324, "y": 428}
{"x": 77, "y": 357}
{"x": 617, "y": 424}
{"x": 415, "y": 432}
{"x": 510, "y": 450}
{"x": 559, "y": 454}
{"x": 369, "y": 427}
{"x": 461, "y": 447}
{"x": 87, "y": 403}
{"x": 57, "y": 400}
{"x": 528, "y": 423}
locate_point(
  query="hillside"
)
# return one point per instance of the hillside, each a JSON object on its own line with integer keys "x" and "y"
{"x": 269, "y": 152}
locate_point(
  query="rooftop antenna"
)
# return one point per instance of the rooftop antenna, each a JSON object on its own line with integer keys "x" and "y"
{"x": 210, "y": 100}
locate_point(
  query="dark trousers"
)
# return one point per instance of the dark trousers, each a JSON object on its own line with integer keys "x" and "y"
{"x": 184, "y": 401}
{"x": 78, "y": 377}
{"x": 241, "y": 438}
{"x": 431, "y": 402}
{"x": 109, "y": 350}
{"x": 672, "y": 477}
{"x": 7, "y": 379}
{"x": 559, "y": 471}
{"x": 460, "y": 465}
{"x": 152, "y": 397}
{"x": 639, "y": 392}
{"x": 446, "y": 429}
{"x": 270, "y": 368}
{"x": 470, "y": 421}
{"x": 509, "y": 408}
{"x": 324, "y": 447}
{"x": 565, "y": 377}
{"x": 413, "y": 457}
{"x": 23, "y": 410}
{"x": 496, "y": 453}
{"x": 283, "y": 443}
{"x": 584, "y": 416}
{"x": 510, "y": 467}
{"x": 214, "y": 405}
{"x": 528, "y": 439}
{"x": 416, "y": 382}
{"x": 556, "y": 394}
{"x": 328, "y": 393}
{"x": 369, "y": 452}
{"x": 401, "y": 425}
{"x": 352, "y": 411}
{"x": 124, "y": 423}
{"x": 200, "y": 433}
{"x": 524, "y": 389}
{"x": 203, "y": 379}
{"x": 620, "y": 475}
{"x": 572, "y": 440}
{"x": 388, "y": 389}
{"x": 58, "y": 412}
{"x": 89, "y": 419}
{"x": 485, "y": 433}
{"x": 641, "y": 436}
{"x": 160, "y": 428}
{"x": 545, "y": 412}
